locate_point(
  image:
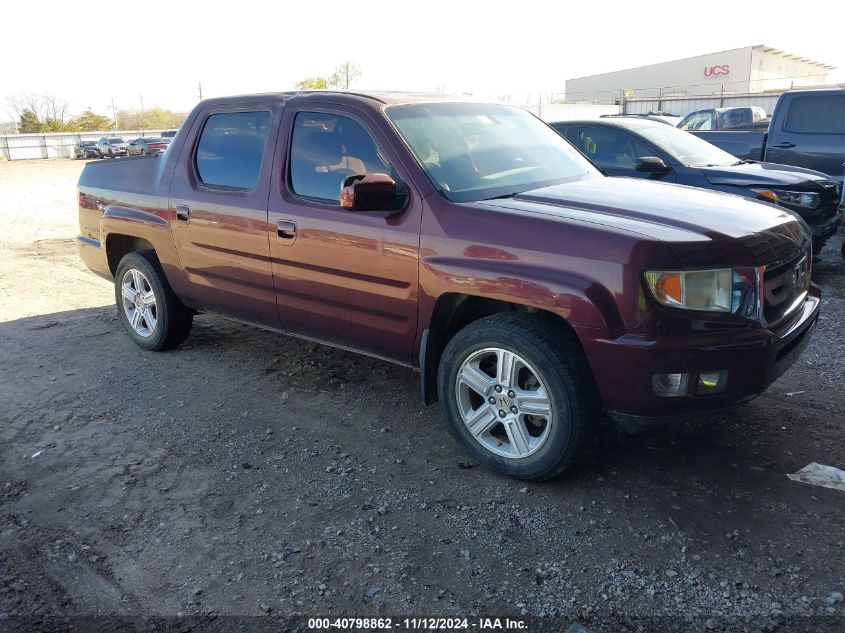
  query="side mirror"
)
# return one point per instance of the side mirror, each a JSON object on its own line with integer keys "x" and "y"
{"x": 652, "y": 165}
{"x": 373, "y": 192}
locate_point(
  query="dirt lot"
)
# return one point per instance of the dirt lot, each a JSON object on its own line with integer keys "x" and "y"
{"x": 248, "y": 477}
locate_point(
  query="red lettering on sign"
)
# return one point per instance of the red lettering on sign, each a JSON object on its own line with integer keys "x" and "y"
{"x": 715, "y": 71}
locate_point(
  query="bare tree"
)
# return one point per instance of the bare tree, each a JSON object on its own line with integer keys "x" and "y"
{"x": 55, "y": 109}
{"x": 344, "y": 75}
{"x": 47, "y": 108}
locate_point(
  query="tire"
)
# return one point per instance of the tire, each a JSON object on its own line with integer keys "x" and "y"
{"x": 162, "y": 324}
{"x": 111, "y": 153}
{"x": 842, "y": 251}
{"x": 564, "y": 388}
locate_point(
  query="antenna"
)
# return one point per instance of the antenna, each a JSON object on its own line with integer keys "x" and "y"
{"x": 199, "y": 88}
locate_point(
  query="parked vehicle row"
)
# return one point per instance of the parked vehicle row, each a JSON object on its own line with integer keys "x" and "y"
{"x": 111, "y": 147}
{"x": 639, "y": 148}
{"x": 534, "y": 294}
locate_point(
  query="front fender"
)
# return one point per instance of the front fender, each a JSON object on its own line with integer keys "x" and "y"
{"x": 578, "y": 299}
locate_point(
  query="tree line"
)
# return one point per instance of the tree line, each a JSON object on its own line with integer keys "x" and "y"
{"x": 35, "y": 114}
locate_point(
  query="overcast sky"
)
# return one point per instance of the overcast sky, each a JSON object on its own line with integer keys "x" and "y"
{"x": 90, "y": 52}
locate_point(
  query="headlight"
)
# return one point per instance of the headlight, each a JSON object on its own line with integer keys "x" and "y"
{"x": 735, "y": 290}
{"x": 801, "y": 199}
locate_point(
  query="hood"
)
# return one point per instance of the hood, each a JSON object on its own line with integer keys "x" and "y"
{"x": 767, "y": 174}
{"x": 703, "y": 227}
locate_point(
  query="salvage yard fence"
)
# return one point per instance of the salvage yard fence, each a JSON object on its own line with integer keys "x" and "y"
{"x": 59, "y": 144}
{"x": 684, "y": 105}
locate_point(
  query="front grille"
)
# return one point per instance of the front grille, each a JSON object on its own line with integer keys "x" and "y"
{"x": 783, "y": 284}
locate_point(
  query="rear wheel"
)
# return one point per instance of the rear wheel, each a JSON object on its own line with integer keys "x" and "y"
{"x": 148, "y": 308}
{"x": 518, "y": 394}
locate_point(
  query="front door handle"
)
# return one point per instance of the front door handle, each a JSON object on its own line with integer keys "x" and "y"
{"x": 183, "y": 212}
{"x": 286, "y": 230}
{"x": 784, "y": 145}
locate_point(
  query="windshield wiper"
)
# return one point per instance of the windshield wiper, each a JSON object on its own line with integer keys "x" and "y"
{"x": 504, "y": 196}
{"x": 744, "y": 161}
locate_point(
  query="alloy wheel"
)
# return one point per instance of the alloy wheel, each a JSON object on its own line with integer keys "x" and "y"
{"x": 504, "y": 402}
{"x": 139, "y": 302}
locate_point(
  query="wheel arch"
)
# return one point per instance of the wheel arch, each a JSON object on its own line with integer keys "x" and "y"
{"x": 124, "y": 230}
{"x": 452, "y": 312}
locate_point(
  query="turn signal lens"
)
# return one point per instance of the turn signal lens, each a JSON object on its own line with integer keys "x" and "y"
{"x": 668, "y": 287}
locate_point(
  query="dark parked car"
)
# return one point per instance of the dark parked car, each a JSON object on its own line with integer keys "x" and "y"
{"x": 745, "y": 118}
{"x": 806, "y": 129}
{"x": 86, "y": 149}
{"x": 644, "y": 149}
{"x": 111, "y": 147}
{"x": 467, "y": 240}
{"x": 169, "y": 133}
{"x": 149, "y": 145}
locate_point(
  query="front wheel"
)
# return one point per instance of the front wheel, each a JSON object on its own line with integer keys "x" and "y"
{"x": 150, "y": 312}
{"x": 518, "y": 394}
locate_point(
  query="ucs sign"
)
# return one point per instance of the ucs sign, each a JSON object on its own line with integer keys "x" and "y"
{"x": 716, "y": 71}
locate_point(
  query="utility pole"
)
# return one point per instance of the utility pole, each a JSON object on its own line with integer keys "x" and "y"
{"x": 199, "y": 87}
{"x": 113, "y": 114}
{"x": 141, "y": 97}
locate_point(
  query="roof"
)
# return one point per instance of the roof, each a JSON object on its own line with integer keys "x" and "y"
{"x": 632, "y": 123}
{"x": 383, "y": 96}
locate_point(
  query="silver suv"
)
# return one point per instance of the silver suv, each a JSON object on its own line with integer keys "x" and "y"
{"x": 111, "y": 147}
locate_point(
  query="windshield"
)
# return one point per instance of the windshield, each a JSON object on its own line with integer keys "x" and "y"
{"x": 475, "y": 151}
{"x": 116, "y": 140}
{"x": 685, "y": 147}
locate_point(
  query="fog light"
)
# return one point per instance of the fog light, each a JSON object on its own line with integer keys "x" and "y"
{"x": 670, "y": 385}
{"x": 712, "y": 381}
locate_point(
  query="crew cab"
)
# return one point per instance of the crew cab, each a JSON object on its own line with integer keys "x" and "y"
{"x": 636, "y": 148}
{"x": 806, "y": 129}
{"x": 468, "y": 240}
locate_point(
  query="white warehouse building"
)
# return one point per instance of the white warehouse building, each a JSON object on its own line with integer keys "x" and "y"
{"x": 752, "y": 69}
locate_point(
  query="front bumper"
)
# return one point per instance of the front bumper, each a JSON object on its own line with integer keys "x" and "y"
{"x": 754, "y": 357}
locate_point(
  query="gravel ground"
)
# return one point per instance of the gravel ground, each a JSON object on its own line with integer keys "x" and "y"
{"x": 248, "y": 477}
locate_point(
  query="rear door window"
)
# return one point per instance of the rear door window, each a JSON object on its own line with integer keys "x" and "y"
{"x": 231, "y": 148}
{"x": 817, "y": 114}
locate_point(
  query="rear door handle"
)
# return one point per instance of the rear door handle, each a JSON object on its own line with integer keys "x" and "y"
{"x": 183, "y": 212}
{"x": 286, "y": 230}
{"x": 784, "y": 145}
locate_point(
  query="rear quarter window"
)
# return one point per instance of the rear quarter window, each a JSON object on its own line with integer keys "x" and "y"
{"x": 231, "y": 148}
{"x": 816, "y": 115}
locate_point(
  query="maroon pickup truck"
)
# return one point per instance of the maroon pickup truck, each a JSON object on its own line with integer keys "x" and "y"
{"x": 468, "y": 240}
